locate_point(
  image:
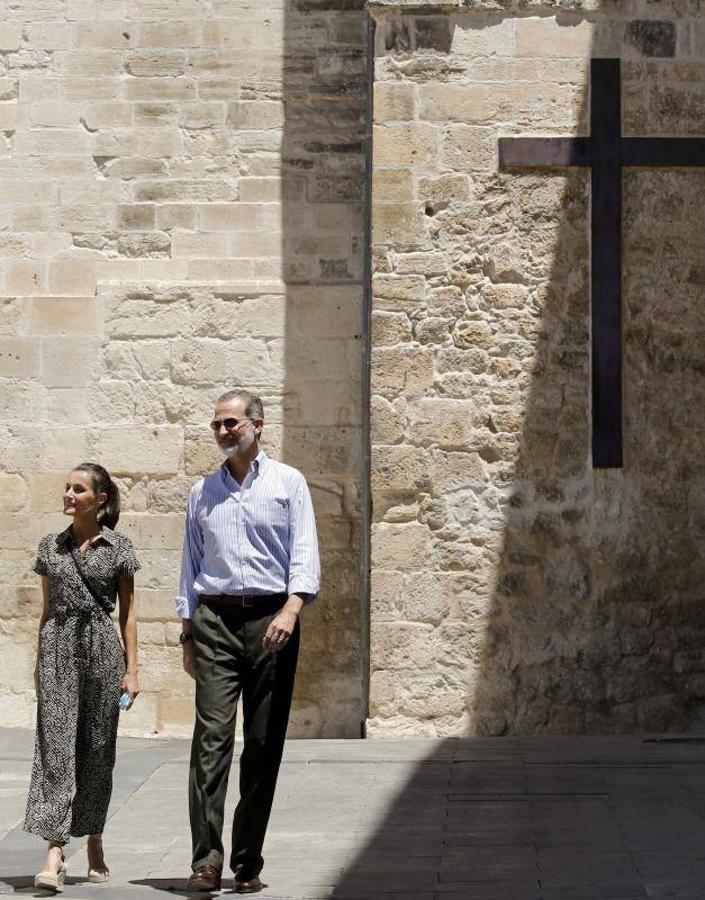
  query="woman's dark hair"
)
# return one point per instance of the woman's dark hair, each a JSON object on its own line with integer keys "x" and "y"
{"x": 109, "y": 513}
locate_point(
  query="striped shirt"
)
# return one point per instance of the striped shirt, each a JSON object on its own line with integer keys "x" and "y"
{"x": 249, "y": 539}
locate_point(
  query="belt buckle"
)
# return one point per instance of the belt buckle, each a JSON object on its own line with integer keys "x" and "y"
{"x": 246, "y": 602}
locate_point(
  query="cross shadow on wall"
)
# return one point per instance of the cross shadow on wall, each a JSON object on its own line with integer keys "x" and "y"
{"x": 322, "y": 167}
{"x": 583, "y": 611}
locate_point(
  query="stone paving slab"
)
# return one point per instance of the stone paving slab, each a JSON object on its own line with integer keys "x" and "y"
{"x": 545, "y": 818}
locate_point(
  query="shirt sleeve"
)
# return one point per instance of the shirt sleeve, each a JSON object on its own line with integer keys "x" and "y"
{"x": 127, "y": 563}
{"x": 304, "y": 561}
{"x": 41, "y": 563}
{"x": 187, "y": 599}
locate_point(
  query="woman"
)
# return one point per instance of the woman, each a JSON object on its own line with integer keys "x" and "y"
{"x": 81, "y": 671}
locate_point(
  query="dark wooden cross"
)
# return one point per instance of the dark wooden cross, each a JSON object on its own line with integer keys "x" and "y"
{"x": 606, "y": 153}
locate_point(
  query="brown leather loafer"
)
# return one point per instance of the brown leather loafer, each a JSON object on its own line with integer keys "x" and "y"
{"x": 247, "y": 882}
{"x": 205, "y": 878}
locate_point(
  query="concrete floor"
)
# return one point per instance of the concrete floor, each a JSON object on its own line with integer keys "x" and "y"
{"x": 546, "y": 818}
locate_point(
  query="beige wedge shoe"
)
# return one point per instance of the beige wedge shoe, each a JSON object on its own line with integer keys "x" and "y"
{"x": 51, "y": 881}
{"x": 99, "y": 875}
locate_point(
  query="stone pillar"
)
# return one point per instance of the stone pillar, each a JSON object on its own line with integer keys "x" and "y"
{"x": 514, "y": 589}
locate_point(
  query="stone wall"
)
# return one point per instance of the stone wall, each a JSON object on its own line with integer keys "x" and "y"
{"x": 180, "y": 214}
{"x": 514, "y": 588}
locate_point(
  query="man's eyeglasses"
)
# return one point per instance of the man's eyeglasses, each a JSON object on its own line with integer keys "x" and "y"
{"x": 228, "y": 424}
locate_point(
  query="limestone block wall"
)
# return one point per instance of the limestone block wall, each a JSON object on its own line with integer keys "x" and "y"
{"x": 180, "y": 214}
{"x": 514, "y": 588}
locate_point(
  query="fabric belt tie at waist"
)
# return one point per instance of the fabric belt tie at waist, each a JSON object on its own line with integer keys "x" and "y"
{"x": 85, "y": 615}
{"x": 82, "y": 617}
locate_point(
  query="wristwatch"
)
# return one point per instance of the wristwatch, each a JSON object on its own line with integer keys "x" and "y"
{"x": 185, "y": 637}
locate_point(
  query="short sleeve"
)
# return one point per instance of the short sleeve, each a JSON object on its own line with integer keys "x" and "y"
{"x": 127, "y": 563}
{"x": 41, "y": 563}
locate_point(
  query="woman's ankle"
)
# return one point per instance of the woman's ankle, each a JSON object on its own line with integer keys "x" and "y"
{"x": 95, "y": 850}
{"x": 55, "y": 856}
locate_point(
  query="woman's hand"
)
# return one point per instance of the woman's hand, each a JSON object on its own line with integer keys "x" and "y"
{"x": 130, "y": 683}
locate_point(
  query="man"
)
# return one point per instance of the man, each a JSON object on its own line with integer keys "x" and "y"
{"x": 250, "y": 563}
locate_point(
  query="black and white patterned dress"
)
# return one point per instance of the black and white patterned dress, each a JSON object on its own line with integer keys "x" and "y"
{"x": 81, "y": 666}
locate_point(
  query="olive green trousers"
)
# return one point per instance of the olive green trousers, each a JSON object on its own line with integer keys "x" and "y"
{"x": 231, "y": 662}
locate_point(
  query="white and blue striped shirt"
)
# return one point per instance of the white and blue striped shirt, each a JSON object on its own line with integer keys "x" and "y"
{"x": 254, "y": 538}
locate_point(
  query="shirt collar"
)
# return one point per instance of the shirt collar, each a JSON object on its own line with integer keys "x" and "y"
{"x": 259, "y": 461}
{"x": 105, "y": 534}
{"x": 258, "y": 464}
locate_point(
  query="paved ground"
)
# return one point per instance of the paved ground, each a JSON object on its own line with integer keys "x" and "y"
{"x": 547, "y": 818}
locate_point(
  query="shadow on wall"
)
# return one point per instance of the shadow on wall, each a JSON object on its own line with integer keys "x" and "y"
{"x": 597, "y": 617}
{"x": 549, "y": 522}
{"x": 322, "y": 166}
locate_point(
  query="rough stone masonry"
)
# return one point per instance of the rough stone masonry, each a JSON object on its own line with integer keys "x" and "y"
{"x": 180, "y": 213}
{"x": 514, "y": 588}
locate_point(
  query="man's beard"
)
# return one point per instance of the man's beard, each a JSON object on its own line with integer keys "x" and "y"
{"x": 240, "y": 446}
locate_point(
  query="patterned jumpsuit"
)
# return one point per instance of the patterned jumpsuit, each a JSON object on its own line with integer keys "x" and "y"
{"x": 81, "y": 665}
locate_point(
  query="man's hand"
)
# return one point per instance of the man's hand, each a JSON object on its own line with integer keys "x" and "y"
{"x": 282, "y": 625}
{"x": 188, "y": 660}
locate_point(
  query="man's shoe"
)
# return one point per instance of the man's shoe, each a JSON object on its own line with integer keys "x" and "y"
{"x": 247, "y": 882}
{"x": 205, "y": 878}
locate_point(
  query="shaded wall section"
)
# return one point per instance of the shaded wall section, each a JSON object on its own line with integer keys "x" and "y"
{"x": 323, "y": 256}
{"x": 539, "y": 594}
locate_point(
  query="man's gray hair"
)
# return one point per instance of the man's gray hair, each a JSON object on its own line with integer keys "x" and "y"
{"x": 254, "y": 408}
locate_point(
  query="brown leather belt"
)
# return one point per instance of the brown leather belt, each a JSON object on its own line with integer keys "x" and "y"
{"x": 244, "y": 601}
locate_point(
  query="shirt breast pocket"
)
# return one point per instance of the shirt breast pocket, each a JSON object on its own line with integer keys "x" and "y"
{"x": 273, "y": 515}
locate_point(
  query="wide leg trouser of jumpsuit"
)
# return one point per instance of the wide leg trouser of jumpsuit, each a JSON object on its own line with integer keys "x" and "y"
{"x": 81, "y": 665}
{"x": 230, "y": 661}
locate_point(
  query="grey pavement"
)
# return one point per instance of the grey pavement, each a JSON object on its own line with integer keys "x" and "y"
{"x": 535, "y": 818}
